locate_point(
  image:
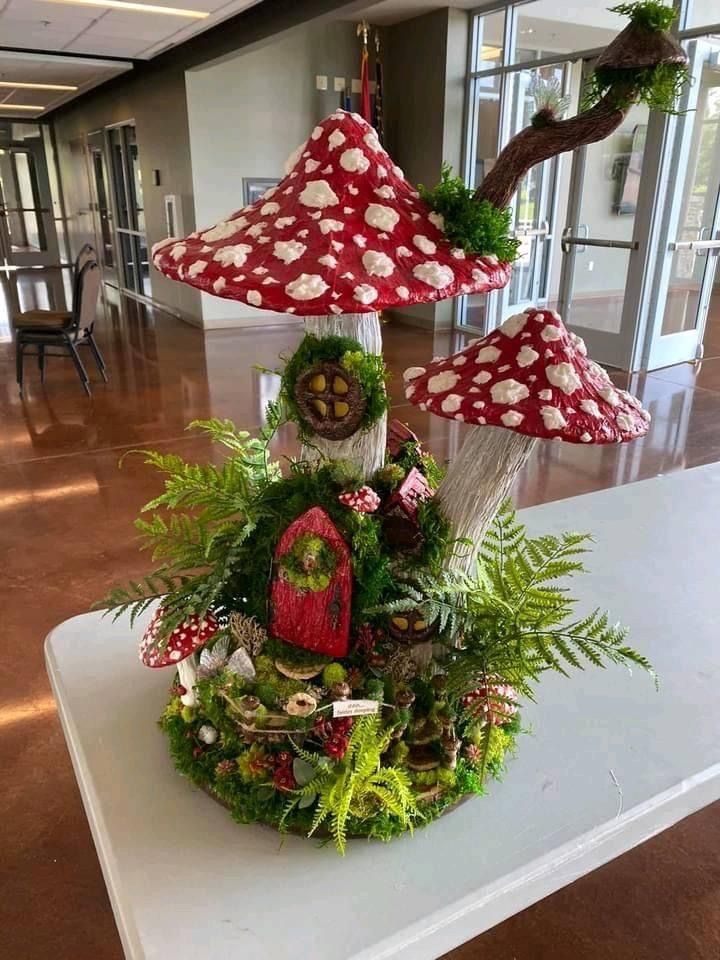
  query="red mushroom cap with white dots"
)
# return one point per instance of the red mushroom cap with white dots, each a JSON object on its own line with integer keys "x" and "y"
{"x": 160, "y": 649}
{"x": 533, "y": 376}
{"x": 344, "y": 232}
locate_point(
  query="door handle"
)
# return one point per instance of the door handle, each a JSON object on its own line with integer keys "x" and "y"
{"x": 568, "y": 240}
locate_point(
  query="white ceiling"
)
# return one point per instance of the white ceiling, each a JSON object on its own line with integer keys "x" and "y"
{"x": 81, "y": 72}
{"x": 101, "y": 31}
{"x": 388, "y": 12}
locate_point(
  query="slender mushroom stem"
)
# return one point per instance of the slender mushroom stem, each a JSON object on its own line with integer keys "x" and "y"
{"x": 366, "y": 448}
{"x": 187, "y": 675}
{"x": 477, "y": 482}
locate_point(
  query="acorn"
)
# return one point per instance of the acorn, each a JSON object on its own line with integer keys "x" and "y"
{"x": 340, "y": 690}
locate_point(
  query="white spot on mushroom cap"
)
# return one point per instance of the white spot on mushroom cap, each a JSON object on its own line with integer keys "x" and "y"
{"x": 437, "y": 220}
{"x": 385, "y": 192}
{"x": 178, "y": 251}
{"x": 336, "y": 139}
{"x": 625, "y": 422}
{"x": 590, "y": 407}
{"x": 319, "y": 194}
{"x": 424, "y": 244}
{"x": 381, "y": 217}
{"x": 354, "y": 160}
{"x": 335, "y": 308}
{"x": 310, "y": 167}
{"x": 371, "y": 140}
{"x": 268, "y": 209}
{"x": 545, "y": 394}
{"x": 513, "y": 325}
{"x": 487, "y": 355}
{"x": 317, "y": 133}
{"x": 511, "y": 418}
{"x": 336, "y": 245}
{"x": 219, "y": 284}
{"x": 196, "y": 268}
{"x": 327, "y": 260}
{"x": 451, "y": 403}
{"x": 365, "y": 293}
{"x": 402, "y": 292}
{"x": 460, "y": 360}
{"x": 381, "y": 171}
{"x": 288, "y": 250}
{"x": 284, "y": 222}
{"x": 550, "y": 332}
{"x": 256, "y": 229}
{"x": 482, "y": 377}
{"x": 412, "y": 373}
{"x": 377, "y": 264}
{"x": 479, "y": 276}
{"x": 293, "y": 158}
{"x": 307, "y": 286}
{"x": 260, "y": 271}
{"x": 458, "y": 253}
{"x": 254, "y": 297}
{"x": 359, "y": 240}
{"x": 564, "y": 377}
{"x": 330, "y": 226}
{"x": 553, "y": 418}
{"x": 353, "y": 189}
{"x": 442, "y": 382}
{"x": 609, "y": 396}
{"x": 222, "y": 230}
{"x": 526, "y": 356}
{"x": 403, "y": 252}
{"x": 434, "y": 274}
{"x": 234, "y": 256}
{"x": 578, "y": 343}
{"x": 508, "y": 391}
{"x": 586, "y": 437}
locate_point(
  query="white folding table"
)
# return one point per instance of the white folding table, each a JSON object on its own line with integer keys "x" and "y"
{"x": 609, "y": 763}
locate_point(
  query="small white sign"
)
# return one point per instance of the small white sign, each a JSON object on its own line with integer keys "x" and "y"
{"x": 355, "y": 708}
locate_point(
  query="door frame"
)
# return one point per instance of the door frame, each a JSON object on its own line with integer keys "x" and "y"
{"x": 49, "y": 254}
{"x": 662, "y": 350}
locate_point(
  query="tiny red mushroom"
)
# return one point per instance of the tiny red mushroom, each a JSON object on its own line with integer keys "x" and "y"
{"x": 364, "y": 500}
{"x": 530, "y": 379}
{"x": 342, "y": 236}
{"x": 177, "y": 648}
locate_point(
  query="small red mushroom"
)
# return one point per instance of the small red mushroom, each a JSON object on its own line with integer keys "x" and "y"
{"x": 364, "y": 500}
{"x": 160, "y": 649}
{"x": 529, "y": 379}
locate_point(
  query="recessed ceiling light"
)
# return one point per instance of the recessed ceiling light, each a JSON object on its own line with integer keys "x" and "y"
{"x": 137, "y": 7}
{"x": 9, "y": 85}
{"x": 18, "y": 106}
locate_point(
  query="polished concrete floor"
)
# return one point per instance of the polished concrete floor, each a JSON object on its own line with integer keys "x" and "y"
{"x": 66, "y": 535}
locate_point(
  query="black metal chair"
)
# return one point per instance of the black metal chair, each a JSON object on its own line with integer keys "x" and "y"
{"x": 38, "y": 330}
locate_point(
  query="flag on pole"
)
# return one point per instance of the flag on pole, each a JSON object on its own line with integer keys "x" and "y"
{"x": 379, "y": 119}
{"x": 365, "y": 111}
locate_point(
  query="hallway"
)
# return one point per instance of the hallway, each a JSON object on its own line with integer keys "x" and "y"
{"x": 67, "y": 535}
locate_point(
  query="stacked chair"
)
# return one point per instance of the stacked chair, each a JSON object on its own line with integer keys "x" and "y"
{"x": 60, "y": 333}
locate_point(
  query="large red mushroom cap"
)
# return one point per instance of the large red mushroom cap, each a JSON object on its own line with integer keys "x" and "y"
{"x": 344, "y": 232}
{"x": 533, "y": 376}
{"x": 158, "y": 649}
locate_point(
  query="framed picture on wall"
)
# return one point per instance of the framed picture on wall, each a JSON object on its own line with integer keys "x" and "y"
{"x": 255, "y": 187}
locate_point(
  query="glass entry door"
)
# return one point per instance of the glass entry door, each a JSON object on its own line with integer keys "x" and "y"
{"x": 688, "y": 269}
{"x": 101, "y": 205}
{"x": 27, "y": 226}
{"x": 129, "y": 211}
{"x": 598, "y": 244}
{"x": 534, "y": 205}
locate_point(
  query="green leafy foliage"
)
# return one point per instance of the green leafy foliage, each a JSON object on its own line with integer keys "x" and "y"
{"x": 368, "y": 368}
{"x": 659, "y": 87}
{"x": 650, "y": 14}
{"x": 357, "y": 787}
{"x": 475, "y": 226}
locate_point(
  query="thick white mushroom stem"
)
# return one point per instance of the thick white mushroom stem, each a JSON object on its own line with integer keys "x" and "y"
{"x": 477, "y": 482}
{"x": 366, "y": 448}
{"x": 187, "y": 675}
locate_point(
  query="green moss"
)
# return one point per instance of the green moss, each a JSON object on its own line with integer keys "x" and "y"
{"x": 658, "y": 87}
{"x": 475, "y": 226}
{"x": 333, "y": 673}
{"x": 650, "y": 14}
{"x": 310, "y": 563}
{"x": 368, "y": 368}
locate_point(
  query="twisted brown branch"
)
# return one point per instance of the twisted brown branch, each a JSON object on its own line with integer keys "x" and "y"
{"x": 535, "y": 144}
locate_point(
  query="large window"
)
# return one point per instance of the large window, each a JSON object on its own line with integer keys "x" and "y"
{"x": 592, "y": 242}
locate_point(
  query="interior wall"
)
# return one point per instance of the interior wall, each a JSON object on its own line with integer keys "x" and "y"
{"x": 425, "y": 61}
{"x": 247, "y": 113}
